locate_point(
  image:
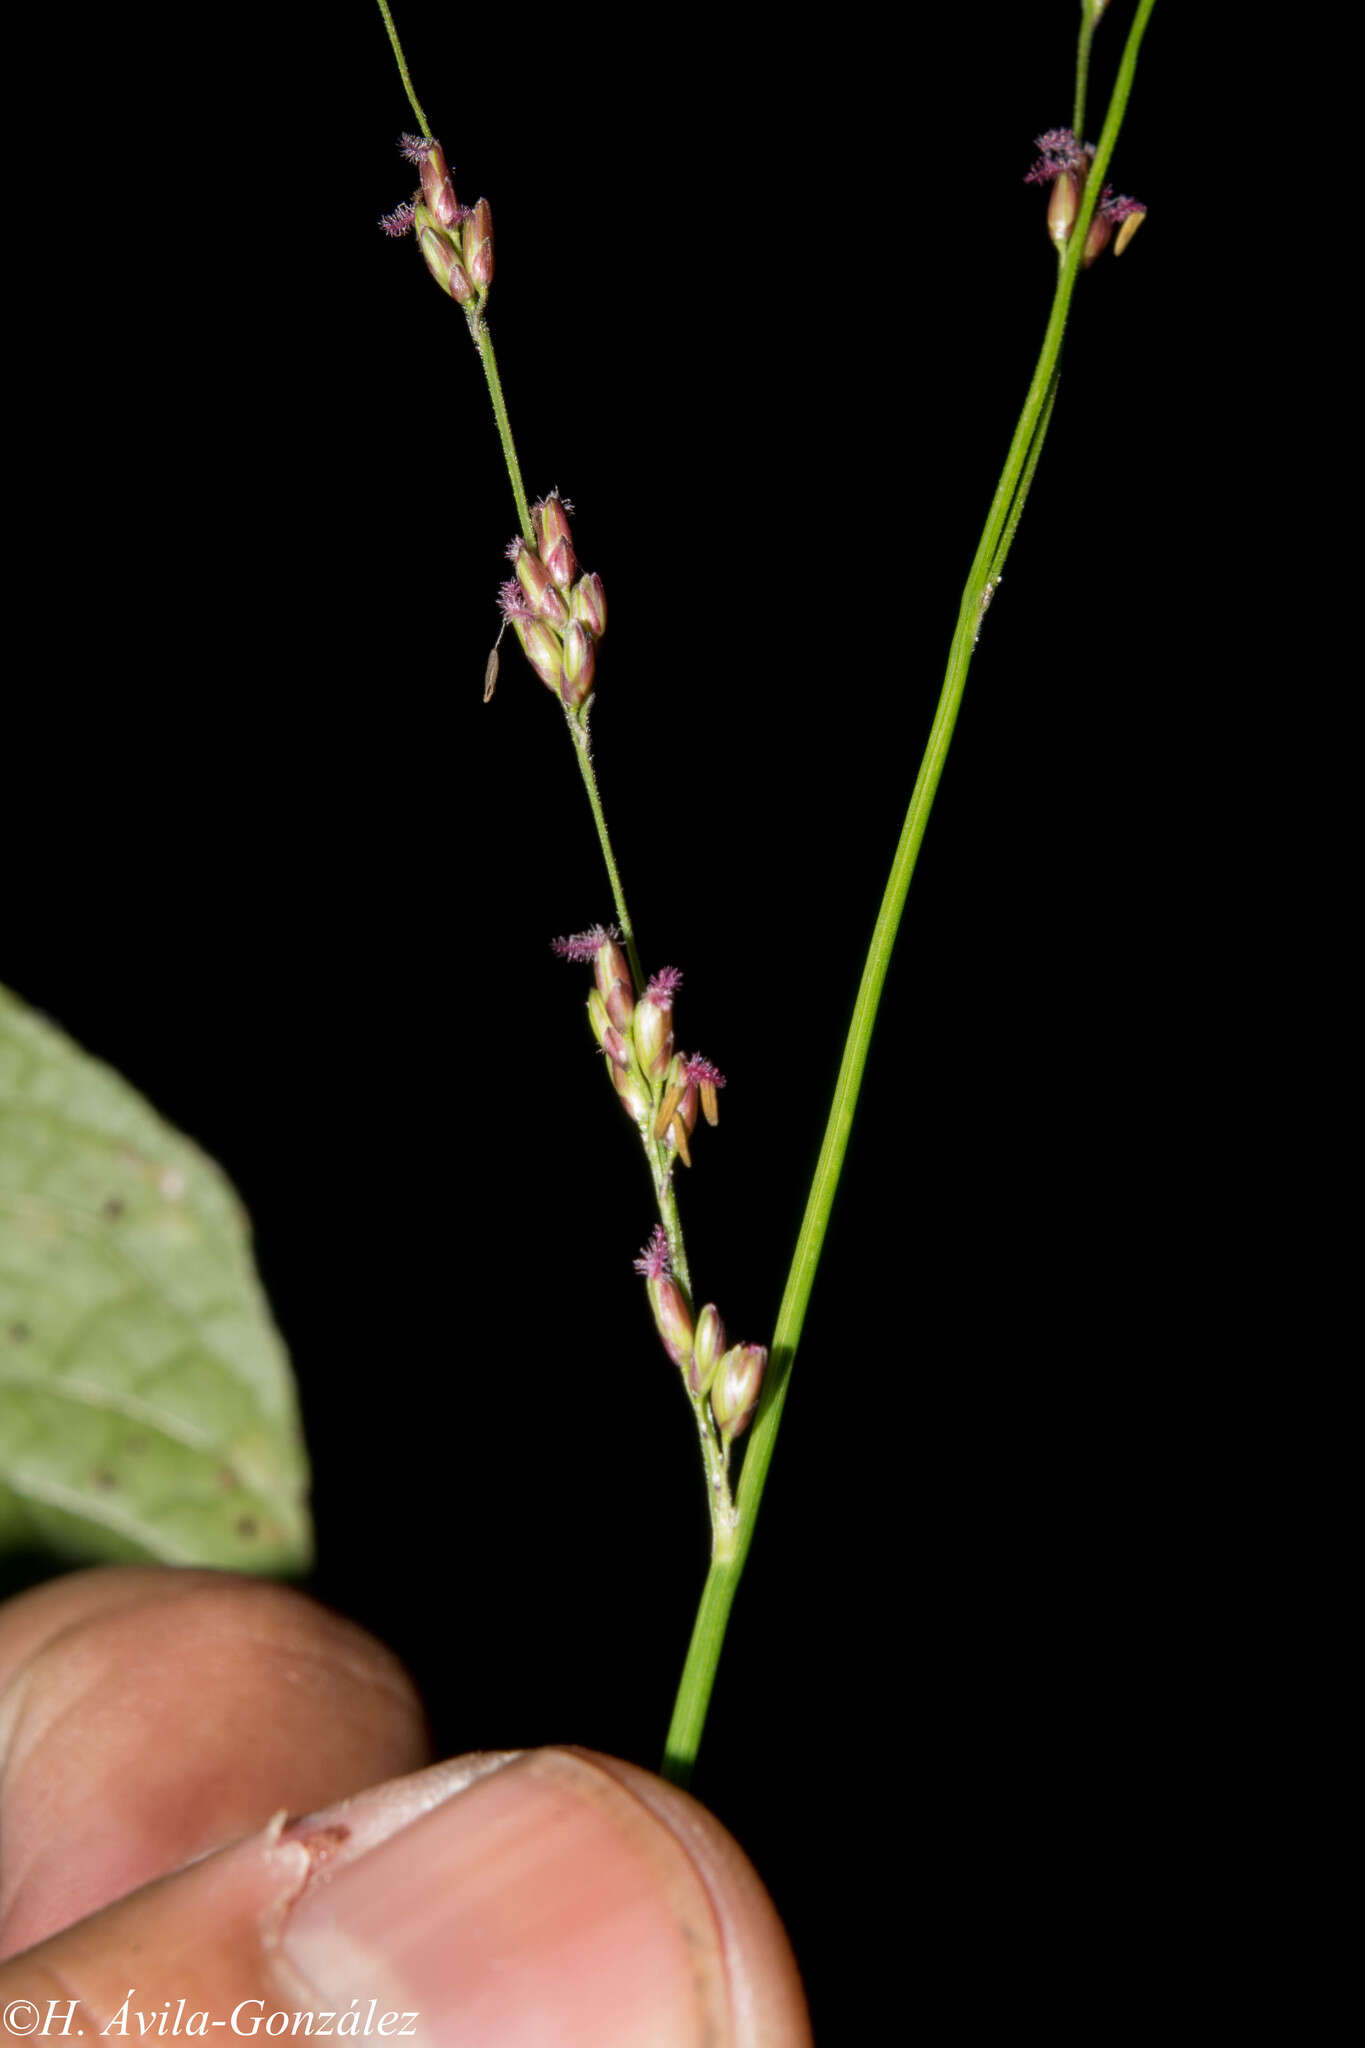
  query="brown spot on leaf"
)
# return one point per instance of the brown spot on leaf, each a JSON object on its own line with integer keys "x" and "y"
{"x": 112, "y": 1208}
{"x": 18, "y": 1333}
{"x": 247, "y": 1525}
{"x": 104, "y": 1479}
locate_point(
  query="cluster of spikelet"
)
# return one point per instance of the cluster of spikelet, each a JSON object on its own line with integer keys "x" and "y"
{"x": 1064, "y": 164}
{"x": 663, "y": 1091}
{"x": 456, "y": 241}
{"x": 558, "y": 615}
{"x": 730, "y": 1380}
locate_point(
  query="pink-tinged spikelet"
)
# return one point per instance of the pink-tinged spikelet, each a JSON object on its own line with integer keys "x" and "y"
{"x": 708, "y": 1345}
{"x": 478, "y": 242}
{"x": 580, "y": 664}
{"x": 736, "y": 1388}
{"x": 653, "y": 1021}
{"x": 588, "y": 602}
{"x": 1115, "y": 209}
{"x": 554, "y": 543}
{"x": 671, "y": 1317}
{"x": 534, "y": 578}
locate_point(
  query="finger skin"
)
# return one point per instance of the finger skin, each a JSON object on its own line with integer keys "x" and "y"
{"x": 766, "y": 2000}
{"x": 505, "y": 1902}
{"x": 149, "y": 1716}
{"x": 204, "y": 1934}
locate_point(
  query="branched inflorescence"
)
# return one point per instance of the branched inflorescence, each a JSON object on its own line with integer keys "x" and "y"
{"x": 559, "y": 615}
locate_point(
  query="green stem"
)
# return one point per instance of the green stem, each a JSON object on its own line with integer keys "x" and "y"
{"x": 689, "y": 1713}
{"x": 722, "y": 1507}
{"x": 699, "y": 1672}
{"x": 1082, "y": 68}
{"x": 1025, "y": 481}
{"x": 578, "y": 732}
{"x": 483, "y": 342}
{"x": 667, "y": 1201}
{"x": 413, "y": 100}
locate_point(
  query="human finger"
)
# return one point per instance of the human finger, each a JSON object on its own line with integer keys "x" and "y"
{"x": 148, "y": 1716}
{"x": 497, "y": 1902}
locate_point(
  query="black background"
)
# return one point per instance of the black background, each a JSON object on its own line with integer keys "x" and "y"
{"x": 766, "y": 308}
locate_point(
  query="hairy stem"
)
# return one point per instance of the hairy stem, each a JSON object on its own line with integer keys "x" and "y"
{"x": 483, "y": 342}
{"x": 578, "y": 732}
{"x": 402, "y": 62}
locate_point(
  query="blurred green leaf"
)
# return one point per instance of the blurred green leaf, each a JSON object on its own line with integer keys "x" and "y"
{"x": 147, "y": 1408}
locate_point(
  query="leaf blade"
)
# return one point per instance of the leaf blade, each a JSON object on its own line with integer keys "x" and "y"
{"x": 147, "y": 1407}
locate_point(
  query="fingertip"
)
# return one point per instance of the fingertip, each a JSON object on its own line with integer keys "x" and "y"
{"x": 204, "y": 1934}
{"x": 151, "y": 1716}
{"x": 767, "y": 2001}
{"x": 500, "y": 1900}
{"x": 562, "y": 1896}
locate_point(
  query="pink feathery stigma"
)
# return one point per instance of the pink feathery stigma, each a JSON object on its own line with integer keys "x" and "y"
{"x": 654, "y": 1262}
{"x": 415, "y": 149}
{"x": 1117, "y": 205}
{"x": 697, "y": 1069}
{"x": 399, "y": 222}
{"x": 1060, "y": 152}
{"x": 512, "y": 601}
{"x": 584, "y": 946}
{"x": 665, "y": 984}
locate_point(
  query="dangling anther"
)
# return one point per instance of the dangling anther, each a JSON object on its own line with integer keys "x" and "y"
{"x": 490, "y": 673}
{"x": 673, "y": 1095}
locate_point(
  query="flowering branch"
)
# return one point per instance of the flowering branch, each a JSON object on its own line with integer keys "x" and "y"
{"x": 558, "y": 617}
